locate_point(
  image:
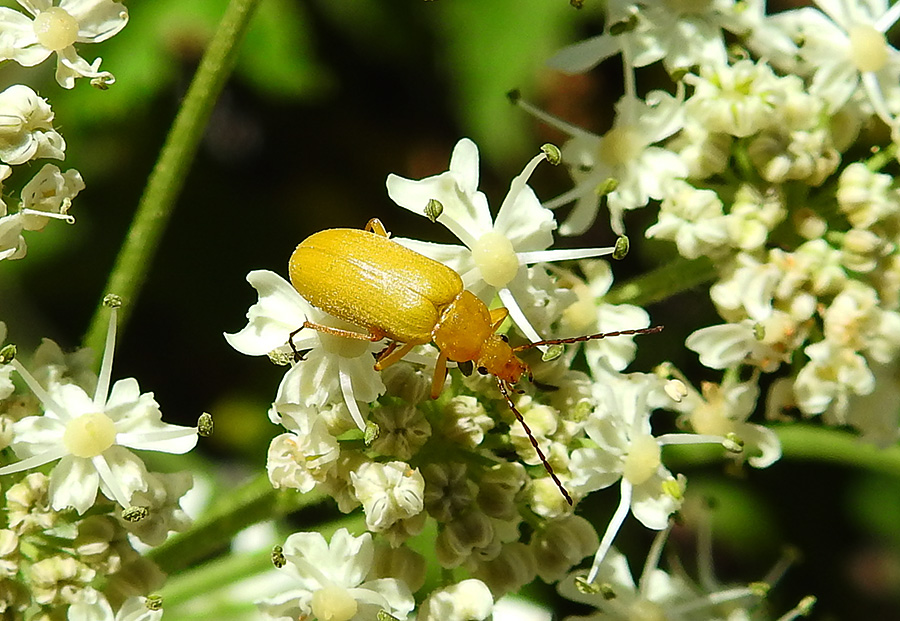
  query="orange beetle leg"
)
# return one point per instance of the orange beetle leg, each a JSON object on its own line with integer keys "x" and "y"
{"x": 440, "y": 374}
{"x": 392, "y": 354}
{"x": 498, "y": 315}
{"x": 375, "y": 226}
{"x": 350, "y": 334}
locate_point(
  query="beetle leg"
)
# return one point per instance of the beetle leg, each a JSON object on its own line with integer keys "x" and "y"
{"x": 350, "y": 334}
{"x": 391, "y": 355}
{"x": 440, "y": 374}
{"x": 375, "y": 226}
{"x": 497, "y": 317}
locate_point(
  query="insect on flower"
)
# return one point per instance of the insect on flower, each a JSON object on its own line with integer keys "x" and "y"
{"x": 367, "y": 279}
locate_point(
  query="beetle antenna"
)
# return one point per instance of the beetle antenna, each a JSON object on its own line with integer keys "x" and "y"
{"x": 521, "y": 419}
{"x": 589, "y": 337}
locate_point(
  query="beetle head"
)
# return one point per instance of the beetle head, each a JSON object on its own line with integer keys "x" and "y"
{"x": 498, "y": 359}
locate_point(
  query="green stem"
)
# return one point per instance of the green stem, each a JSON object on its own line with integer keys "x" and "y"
{"x": 674, "y": 277}
{"x": 168, "y": 176}
{"x": 807, "y": 443}
{"x": 252, "y": 503}
{"x": 803, "y": 442}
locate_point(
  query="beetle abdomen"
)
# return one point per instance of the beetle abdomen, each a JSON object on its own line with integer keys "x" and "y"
{"x": 373, "y": 282}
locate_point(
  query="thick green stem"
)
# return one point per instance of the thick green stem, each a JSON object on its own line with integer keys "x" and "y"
{"x": 255, "y": 502}
{"x": 168, "y": 176}
{"x": 803, "y": 442}
{"x": 674, "y": 277}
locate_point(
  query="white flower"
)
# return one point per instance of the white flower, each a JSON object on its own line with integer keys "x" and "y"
{"x": 680, "y": 34}
{"x": 388, "y": 492}
{"x": 496, "y": 251}
{"x": 764, "y": 344}
{"x": 56, "y": 28}
{"x": 26, "y": 132}
{"x": 737, "y": 99}
{"x": 625, "y": 450}
{"x": 469, "y": 600}
{"x": 299, "y": 460}
{"x": 845, "y": 49}
{"x": 866, "y": 196}
{"x": 47, "y": 196}
{"x": 622, "y": 164}
{"x": 591, "y": 315}
{"x": 692, "y": 218}
{"x": 90, "y": 436}
{"x": 334, "y": 369}
{"x": 833, "y": 374}
{"x": 330, "y": 583}
{"x": 623, "y": 600}
{"x": 723, "y": 409}
{"x": 92, "y": 606}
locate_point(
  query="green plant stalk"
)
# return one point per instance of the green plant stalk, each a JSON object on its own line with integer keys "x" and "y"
{"x": 255, "y": 502}
{"x": 171, "y": 169}
{"x": 674, "y": 277}
{"x": 803, "y": 442}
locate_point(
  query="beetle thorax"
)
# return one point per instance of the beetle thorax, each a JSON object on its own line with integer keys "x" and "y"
{"x": 463, "y": 329}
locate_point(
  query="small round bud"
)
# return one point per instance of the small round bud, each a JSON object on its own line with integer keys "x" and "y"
{"x": 153, "y": 602}
{"x": 609, "y": 185}
{"x": 7, "y": 354}
{"x": 806, "y": 605}
{"x": 553, "y": 352}
{"x": 282, "y": 358}
{"x": 278, "y": 557}
{"x": 135, "y": 514}
{"x": 622, "y": 247}
{"x": 371, "y": 434}
{"x": 205, "y": 425}
{"x": 676, "y": 390}
{"x": 112, "y": 300}
{"x": 760, "y": 589}
{"x": 733, "y": 444}
{"x": 554, "y": 155}
{"x": 434, "y": 209}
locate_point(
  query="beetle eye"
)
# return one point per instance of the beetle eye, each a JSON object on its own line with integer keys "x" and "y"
{"x": 505, "y": 338}
{"x": 482, "y": 370}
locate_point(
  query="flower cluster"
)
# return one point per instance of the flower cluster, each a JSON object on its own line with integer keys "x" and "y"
{"x": 86, "y": 430}
{"x": 756, "y": 166}
{"x": 374, "y": 439}
{"x": 26, "y": 119}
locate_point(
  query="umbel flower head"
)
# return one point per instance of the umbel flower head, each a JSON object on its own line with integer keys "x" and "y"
{"x": 90, "y": 437}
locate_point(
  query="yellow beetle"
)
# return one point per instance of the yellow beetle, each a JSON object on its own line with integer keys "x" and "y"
{"x": 365, "y": 278}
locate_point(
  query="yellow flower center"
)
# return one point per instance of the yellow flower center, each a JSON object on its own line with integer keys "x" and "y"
{"x": 89, "y": 435}
{"x": 496, "y": 260}
{"x": 55, "y": 29}
{"x": 642, "y": 461}
{"x": 868, "y": 48}
{"x": 620, "y": 145}
{"x": 333, "y": 603}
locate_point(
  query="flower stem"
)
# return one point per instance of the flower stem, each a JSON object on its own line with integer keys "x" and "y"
{"x": 674, "y": 277}
{"x": 254, "y": 502}
{"x": 168, "y": 176}
{"x": 804, "y": 442}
